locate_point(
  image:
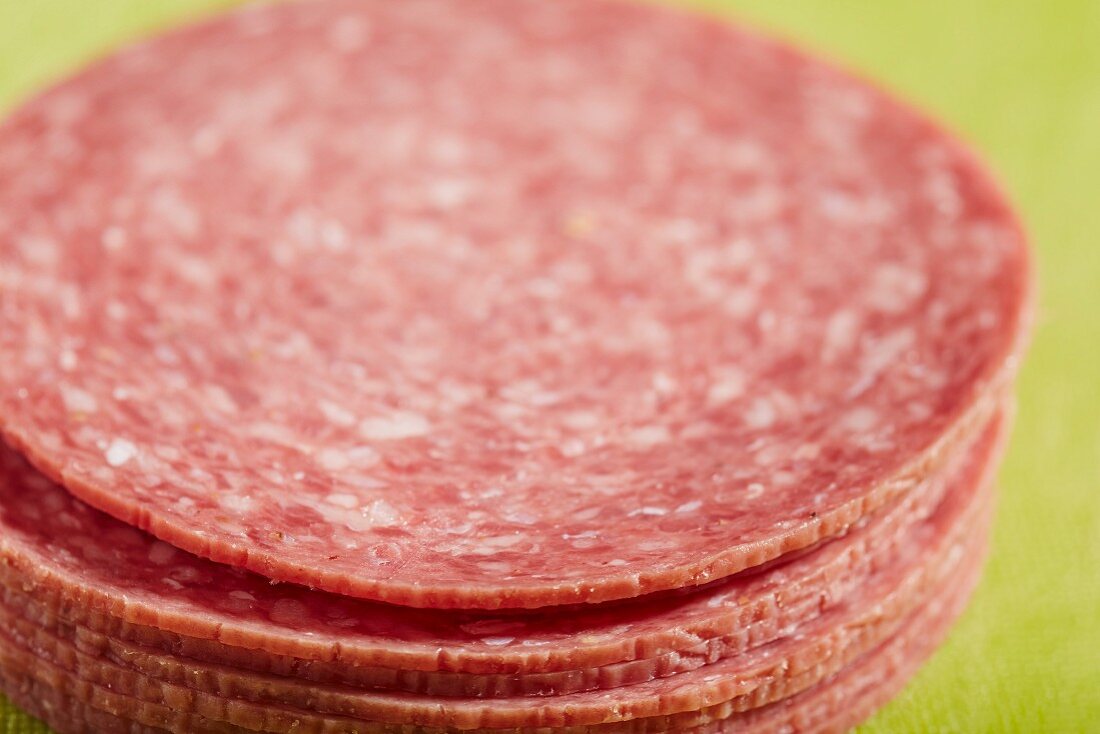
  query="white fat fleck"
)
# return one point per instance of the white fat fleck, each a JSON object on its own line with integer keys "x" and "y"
{"x": 879, "y": 355}
{"x": 649, "y": 511}
{"x": 119, "y": 452}
{"x": 784, "y": 479}
{"x": 698, "y": 429}
{"x": 197, "y": 271}
{"x": 333, "y": 459}
{"x": 572, "y": 447}
{"x": 77, "y": 400}
{"x": 220, "y": 399}
{"x": 38, "y": 250}
{"x": 919, "y": 411}
{"x": 302, "y": 226}
{"x": 682, "y": 230}
{"x": 545, "y": 288}
{"x": 382, "y": 513}
{"x": 521, "y": 518}
{"x": 495, "y": 567}
{"x": 754, "y": 490}
{"x": 769, "y": 455}
{"x": 616, "y": 562}
{"x": 649, "y": 330}
{"x": 114, "y": 238}
{"x": 116, "y": 310}
{"x": 760, "y": 414}
{"x": 699, "y": 269}
{"x": 449, "y": 193}
{"x": 161, "y": 554}
{"x": 511, "y": 411}
{"x": 807, "y": 452}
{"x": 165, "y": 354}
{"x": 841, "y": 332}
{"x": 729, "y": 384}
{"x": 337, "y": 414}
{"x": 717, "y": 601}
{"x": 349, "y": 33}
{"x": 894, "y": 288}
{"x": 581, "y": 420}
{"x": 334, "y": 236}
{"x": 489, "y": 545}
{"x": 67, "y": 360}
{"x": 859, "y": 419}
{"x": 346, "y": 501}
{"x": 690, "y": 506}
{"x": 530, "y": 392}
{"x": 69, "y": 299}
{"x": 498, "y": 641}
{"x": 648, "y": 436}
{"x": 590, "y": 514}
{"x": 176, "y": 211}
{"x": 395, "y": 426}
{"x": 121, "y": 393}
{"x": 741, "y": 302}
{"x": 362, "y": 456}
{"x": 663, "y": 383}
{"x": 207, "y": 141}
{"x": 237, "y": 503}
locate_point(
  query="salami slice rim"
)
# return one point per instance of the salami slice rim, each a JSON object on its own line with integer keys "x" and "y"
{"x": 598, "y": 395}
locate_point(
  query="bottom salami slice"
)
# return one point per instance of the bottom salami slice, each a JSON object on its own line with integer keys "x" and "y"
{"x": 766, "y": 674}
{"x": 835, "y": 704}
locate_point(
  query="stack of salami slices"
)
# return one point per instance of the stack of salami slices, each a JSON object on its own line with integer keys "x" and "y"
{"x": 489, "y": 366}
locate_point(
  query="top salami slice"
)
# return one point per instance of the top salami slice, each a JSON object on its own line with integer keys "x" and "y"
{"x": 492, "y": 303}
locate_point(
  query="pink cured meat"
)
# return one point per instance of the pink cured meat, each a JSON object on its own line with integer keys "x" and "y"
{"x": 471, "y": 303}
{"x": 94, "y": 571}
{"x": 802, "y": 658}
{"x": 834, "y": 704}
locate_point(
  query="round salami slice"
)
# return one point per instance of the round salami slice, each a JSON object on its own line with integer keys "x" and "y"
{"x": 59, "y": 557}
{"x": 873, "y": 676}
{"x": 487, "y": 304}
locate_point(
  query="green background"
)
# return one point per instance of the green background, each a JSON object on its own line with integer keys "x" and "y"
{"x": 1021, "y": 80}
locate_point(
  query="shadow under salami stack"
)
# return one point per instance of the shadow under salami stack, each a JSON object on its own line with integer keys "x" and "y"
{"x": 489, "y": 366}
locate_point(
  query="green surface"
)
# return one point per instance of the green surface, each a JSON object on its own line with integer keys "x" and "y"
{"x": 1021, "y": 80}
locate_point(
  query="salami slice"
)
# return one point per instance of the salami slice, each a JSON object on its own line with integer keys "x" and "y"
{"x": 869, "y": 679}
{"x": 59, "y": 557}
{"x": 801, "y": 658}
{"x": 486, "y": 304}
